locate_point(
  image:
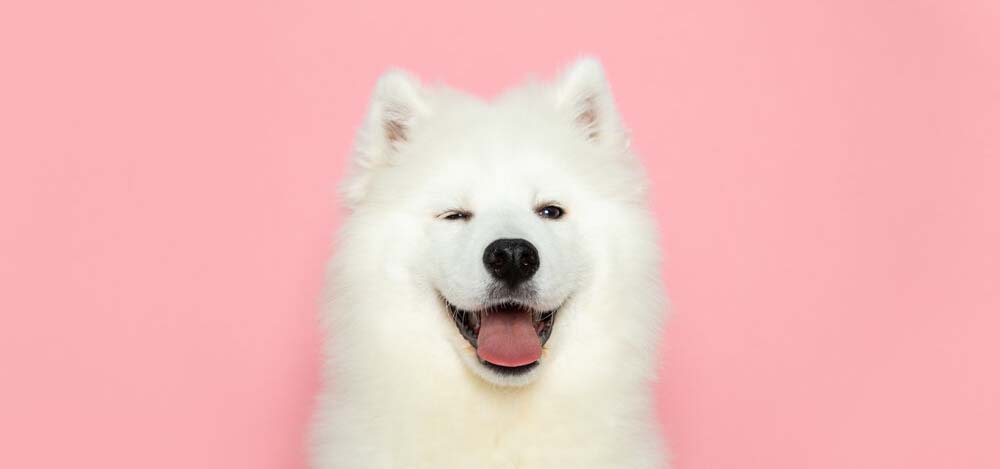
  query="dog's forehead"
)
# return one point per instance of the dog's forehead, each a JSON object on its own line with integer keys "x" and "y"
{"x": 492, "y": 153}
{"x": 507, "y": 121}
{"x": 492, "y": 167}
{"x": 491, "y": 143}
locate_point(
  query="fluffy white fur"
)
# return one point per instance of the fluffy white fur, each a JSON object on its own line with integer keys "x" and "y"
{"x": 403, "y": 389}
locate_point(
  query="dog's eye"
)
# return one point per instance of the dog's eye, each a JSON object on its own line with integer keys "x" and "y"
{"x": 455, "y": 215}
{"x": 550, "y": 211}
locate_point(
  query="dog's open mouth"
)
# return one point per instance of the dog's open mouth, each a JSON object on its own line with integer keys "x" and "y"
{"x": 508, "y": 337}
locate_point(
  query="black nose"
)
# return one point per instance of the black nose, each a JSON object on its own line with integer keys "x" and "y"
{"x": 511, "y": 261}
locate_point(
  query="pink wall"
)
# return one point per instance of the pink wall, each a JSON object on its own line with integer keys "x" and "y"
{"x": 826, "y": 174}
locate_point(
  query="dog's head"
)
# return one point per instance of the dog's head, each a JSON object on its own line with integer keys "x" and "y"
{"x": 506, "y": 203}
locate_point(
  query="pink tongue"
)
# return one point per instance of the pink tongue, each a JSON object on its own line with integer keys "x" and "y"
{"x": 508, "y": 338}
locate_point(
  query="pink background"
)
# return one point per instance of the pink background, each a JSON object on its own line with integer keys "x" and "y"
{"x": 826, "y": 175}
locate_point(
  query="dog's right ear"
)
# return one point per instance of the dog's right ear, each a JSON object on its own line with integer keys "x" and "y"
{"x": 584, "y": 92}
{"x": 398, "y": 104}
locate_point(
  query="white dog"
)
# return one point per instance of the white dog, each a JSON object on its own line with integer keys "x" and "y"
{"x": 495, "y": 300}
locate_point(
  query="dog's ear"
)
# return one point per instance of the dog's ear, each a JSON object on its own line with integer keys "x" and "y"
{"x": 398, "y": 104}
{"x": 583, "y": 92}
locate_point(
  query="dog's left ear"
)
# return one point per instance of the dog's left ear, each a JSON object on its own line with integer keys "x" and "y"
{"x": 583, "y": 92}
{"x": 398, "y": 105}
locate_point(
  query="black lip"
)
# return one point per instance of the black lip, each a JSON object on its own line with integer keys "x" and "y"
{"x": 467, "y": 323}
{"x": 509, "y": 370}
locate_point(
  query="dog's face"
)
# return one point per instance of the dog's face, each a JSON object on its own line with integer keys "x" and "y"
{"x": 499, "y": 196}
{"x": 505, "y": 254}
